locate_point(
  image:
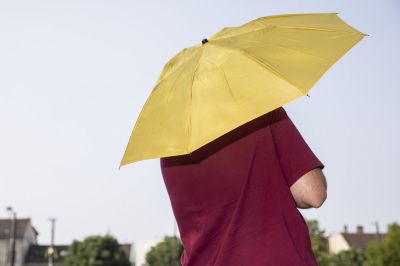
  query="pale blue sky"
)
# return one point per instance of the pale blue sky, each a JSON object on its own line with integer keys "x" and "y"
{"x": 75, "y": 75}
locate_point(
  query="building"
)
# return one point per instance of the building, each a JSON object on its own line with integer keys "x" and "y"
{"x": 345, "y": 240}
{"x": 26, "y": 236}
{"x": 27, "y": 250}
{"x": 143, "y": 247}
{"x": 37, "y": 255}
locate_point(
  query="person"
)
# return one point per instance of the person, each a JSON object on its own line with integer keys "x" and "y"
{"x": 236, "y": 199}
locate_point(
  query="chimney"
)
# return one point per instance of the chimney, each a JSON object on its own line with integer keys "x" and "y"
{"x": 360, "y": 229}
{"x": 345, "y": 229}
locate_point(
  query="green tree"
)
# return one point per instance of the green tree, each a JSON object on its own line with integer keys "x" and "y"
{"x": 385, "y": 252}
{"x": 319, "y": 243}
{"x": 167, "y": 252}
{"x": 96, "y": 251}
{"x": 351, "y": 257}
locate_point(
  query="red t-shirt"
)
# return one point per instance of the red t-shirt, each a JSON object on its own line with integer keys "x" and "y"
{"x": 231, "y": 198}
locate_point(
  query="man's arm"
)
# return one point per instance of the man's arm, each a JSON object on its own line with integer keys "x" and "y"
{"x": 310, "y": 190}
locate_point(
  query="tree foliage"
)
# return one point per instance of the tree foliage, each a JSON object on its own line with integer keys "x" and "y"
{"x": 351, "y": 257}
{"x": 167, "y": 252}
{"x": 96, "y": 251}
{"x": 319, "y": 243}
{"x": 320, "y": 248}
{"x": 385, "y": 252}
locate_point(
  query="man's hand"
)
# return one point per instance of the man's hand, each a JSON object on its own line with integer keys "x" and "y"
{"x": 310, "y": 190}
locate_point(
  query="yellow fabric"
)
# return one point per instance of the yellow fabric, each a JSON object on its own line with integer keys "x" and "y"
{"x": 241, "y": 73}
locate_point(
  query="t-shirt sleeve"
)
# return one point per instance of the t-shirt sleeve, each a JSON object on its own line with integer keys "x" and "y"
{"x": 295, "y": 156}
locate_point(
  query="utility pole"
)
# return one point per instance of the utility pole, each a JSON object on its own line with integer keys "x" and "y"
{"x": 13, "y": 234}
{"x": 378, "y": 235}
{"x": 51, "y": 250}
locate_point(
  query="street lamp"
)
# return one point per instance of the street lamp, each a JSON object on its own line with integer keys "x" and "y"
{"x": 51, "y": 252}
{"x": 13, "y": 234}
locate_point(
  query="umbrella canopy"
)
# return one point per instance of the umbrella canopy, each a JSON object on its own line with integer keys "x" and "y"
{"x": 234, "y": 76}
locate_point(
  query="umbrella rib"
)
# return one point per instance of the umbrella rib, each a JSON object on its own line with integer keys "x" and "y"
{"x": 173, "y": 83}
{"x": 243, "y": 33}
{"x": 191, "y": 100}
{"x": 296, "y": 51}
{"x": 263, "y": 64}
{"x": 229, "y": 87}
{"x": 271, "y": 27}
{"x": 308, "y": 28}
{"x": 270, "y": 67}
{"x": 283, "y": 27}
{"x": 182, "y": 65}
{"x": 257, "y": 20}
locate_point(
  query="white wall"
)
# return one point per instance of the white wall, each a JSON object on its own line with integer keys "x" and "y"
{"x": 337, "y": 243}
{"x": 143, "y": 247}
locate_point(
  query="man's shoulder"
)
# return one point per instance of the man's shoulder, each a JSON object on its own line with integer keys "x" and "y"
{"x": 277, "y": 114}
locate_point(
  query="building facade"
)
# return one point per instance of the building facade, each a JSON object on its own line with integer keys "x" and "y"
{"x": 25, "y": 236}
{"x": 346, "y": 240}
{"x": 27, "y": 250}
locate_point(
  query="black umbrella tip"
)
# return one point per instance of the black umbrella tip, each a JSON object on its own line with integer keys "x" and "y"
{"x": 204, "y": 41}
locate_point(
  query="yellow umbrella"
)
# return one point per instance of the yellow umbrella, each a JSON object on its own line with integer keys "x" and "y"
{"x": 236, "y": 75}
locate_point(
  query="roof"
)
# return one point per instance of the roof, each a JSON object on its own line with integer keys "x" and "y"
{"x": 127, "y": 249}
{"x": 38, "y": 253}
{"x": 360, "y": 240}
{"x": 5, "y": 228}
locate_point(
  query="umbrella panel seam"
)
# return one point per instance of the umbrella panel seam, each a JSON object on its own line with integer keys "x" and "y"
{"x": 265, "y": 65}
